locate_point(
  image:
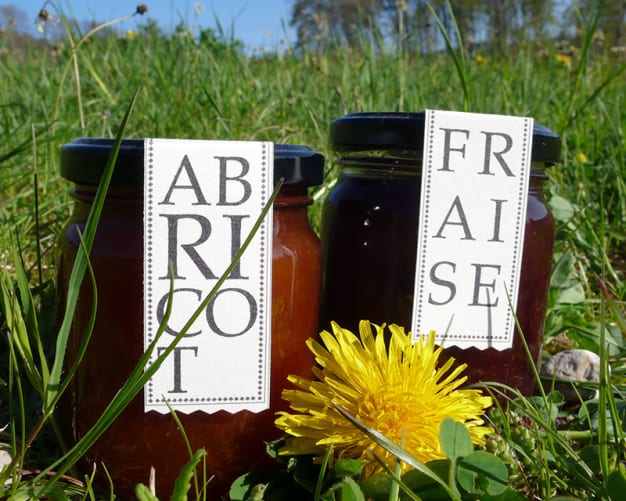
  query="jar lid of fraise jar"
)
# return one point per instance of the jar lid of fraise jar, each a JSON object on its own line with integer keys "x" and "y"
{"x": 83, "y": 161}
{"x": 403, "y": 132}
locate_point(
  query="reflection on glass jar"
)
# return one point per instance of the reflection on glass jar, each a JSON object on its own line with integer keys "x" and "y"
{"x": 369, "y": 238}
{"x": 138, "y": 441}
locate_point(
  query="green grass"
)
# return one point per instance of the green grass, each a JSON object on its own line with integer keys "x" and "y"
{"x": 82, "y": 86}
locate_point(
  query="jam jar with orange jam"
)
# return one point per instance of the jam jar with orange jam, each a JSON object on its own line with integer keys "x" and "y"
{"x": 369, "y": 239}
{"x": 137, "y": 441}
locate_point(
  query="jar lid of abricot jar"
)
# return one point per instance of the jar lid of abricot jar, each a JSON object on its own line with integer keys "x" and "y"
{"x": 83, "y": 161}
{"x": 404, "y": 132}
{"x": 297, "y": 165}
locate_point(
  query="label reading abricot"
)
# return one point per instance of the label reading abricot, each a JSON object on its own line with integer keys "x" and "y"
{"x": 201, "y": 201}
{"x": 474, "y": 191}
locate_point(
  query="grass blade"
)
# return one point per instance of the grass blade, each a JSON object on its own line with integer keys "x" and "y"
{"x": 457, "y": 58}
{"x": 80, "y": 265}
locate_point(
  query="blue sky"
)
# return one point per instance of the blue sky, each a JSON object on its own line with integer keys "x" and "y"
{"x": 256, "y": 23}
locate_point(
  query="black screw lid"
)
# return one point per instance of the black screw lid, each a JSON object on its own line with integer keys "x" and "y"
{"x": 297, "y": 165}
{"x": 84, "y": 159}
{"x": 405, "y": 132}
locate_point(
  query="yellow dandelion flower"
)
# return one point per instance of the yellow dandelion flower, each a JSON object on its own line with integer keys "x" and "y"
{"x": 480, "y": 59}
{"x": 581, "y": 157}
{"x": 394, "y": 386}
{"x": 130, "y": 34}
{"x": 564, "y": 59}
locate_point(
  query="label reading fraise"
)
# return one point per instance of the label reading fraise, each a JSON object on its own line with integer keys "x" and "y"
{"x": 474, "y": 191}
{"x": 201, "y": 201}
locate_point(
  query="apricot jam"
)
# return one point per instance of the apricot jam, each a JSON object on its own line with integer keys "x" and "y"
{"x": 137, "y": 441}
{"x": 369, "y": 238}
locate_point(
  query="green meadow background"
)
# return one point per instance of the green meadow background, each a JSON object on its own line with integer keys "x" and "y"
{"x": 204, "y": 84}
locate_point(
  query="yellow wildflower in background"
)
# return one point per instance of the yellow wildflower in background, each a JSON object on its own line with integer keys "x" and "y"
{"x": 130, "y": 34}
{"x": 581, "y": 157}
{"x": 399, "y": 391}
{"x": 480, "y": 59}
{"x": 564, "y": 59}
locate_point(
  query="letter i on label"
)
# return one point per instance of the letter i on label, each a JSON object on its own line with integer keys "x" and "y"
{"x": 474, "y": 192}
{"x": 201, "y": 201}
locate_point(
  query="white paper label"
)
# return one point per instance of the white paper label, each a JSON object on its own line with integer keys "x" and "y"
{"x": 202, "y": 199}
{"x": 471, "y": 227}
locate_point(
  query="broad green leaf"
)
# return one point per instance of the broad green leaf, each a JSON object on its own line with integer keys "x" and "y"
{"x": 508, "y": 495}
{"x": 482, "y": 473}
{"x": 456, "y": 441}
{"x": 424, "y": 486}
{"x": 143, "y": 493}
{"x": 376, "y": 487}
{"x": 562, "y": 209}
{"x": 590, "y": 454}
{"x": 306, "y": 474}
{"x": 350, "y": 490}
{"x": 257, "y": 493}
{"x": 348, "y": 467}
{"x": 572, "y": 295}
{"x": 616, "y": 484}
{"x": 51, "y": 493}
{"x": 243, "y": 486}
{"x": 564, "y": 271}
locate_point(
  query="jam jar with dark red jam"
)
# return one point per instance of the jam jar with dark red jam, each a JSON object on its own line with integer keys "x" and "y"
{"x": 137, "y": 441}
{"x": 369, "y": 239}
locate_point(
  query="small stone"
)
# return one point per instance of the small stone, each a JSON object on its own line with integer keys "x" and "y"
{"x": 5, "y": 457}
{"x": 572, "y": 365}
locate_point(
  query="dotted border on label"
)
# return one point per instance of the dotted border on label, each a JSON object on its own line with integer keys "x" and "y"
{"x": 519, "y": 220}
{"x": 148, "y": 257}
{"x": 426, "y": 180}
{"x": 262, "y": 276}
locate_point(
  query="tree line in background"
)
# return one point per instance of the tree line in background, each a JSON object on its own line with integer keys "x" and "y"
{"x": 495, "y": 24}
{"x": 411, "y": 24}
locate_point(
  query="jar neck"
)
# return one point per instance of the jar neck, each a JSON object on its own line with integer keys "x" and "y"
{"x": 289, "y": 196}
{"x": 121, "y": 201}
{"x": 126, "y": 198}
{"x": 380, "y": 164}
{"x": 409, "y": 165}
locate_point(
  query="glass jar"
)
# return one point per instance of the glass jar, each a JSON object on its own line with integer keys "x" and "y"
{"x": 137, "y": 441}
{"x": 369, "y": 238}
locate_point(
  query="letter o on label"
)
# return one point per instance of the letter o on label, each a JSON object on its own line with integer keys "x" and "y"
{"x": 231, "y": 302}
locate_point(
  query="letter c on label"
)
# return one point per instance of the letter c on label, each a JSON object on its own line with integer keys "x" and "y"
{"x": 163, "y": 304}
